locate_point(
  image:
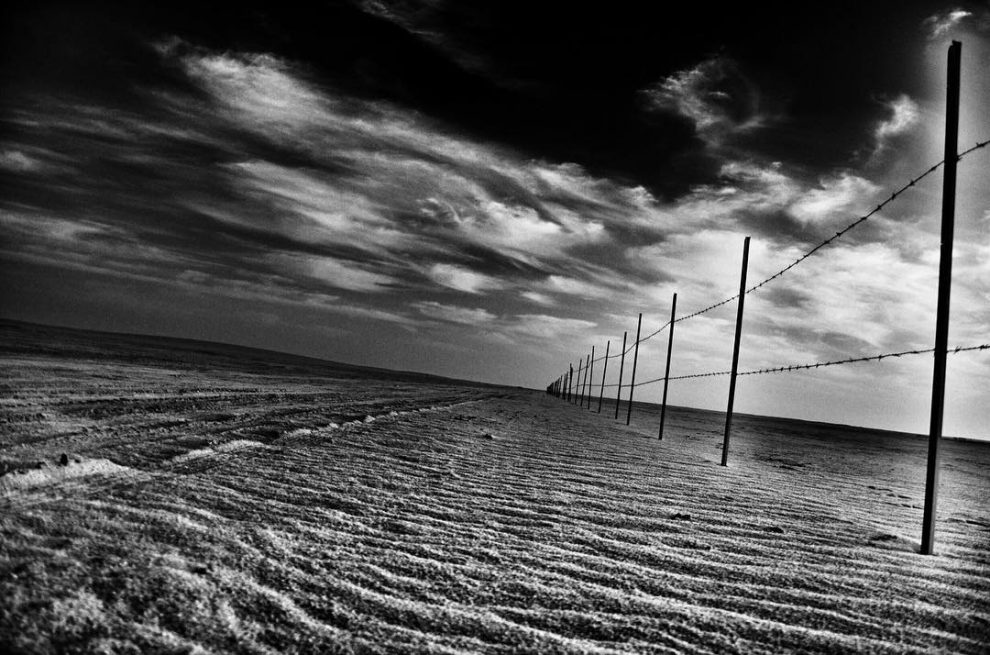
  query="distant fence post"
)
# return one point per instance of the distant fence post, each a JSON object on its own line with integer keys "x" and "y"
{"x": 591, "y": 377}
{"x": 622, "y": 365}
{"x": 601, "y": 394}
{"x": 632, "y": 380}
{"x": 735, "y": 352}
{"x": 944, "y": 287}
{"x": 666, "y": 375}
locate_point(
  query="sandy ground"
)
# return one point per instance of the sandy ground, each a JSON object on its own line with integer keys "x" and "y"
{"x": 216, "y": 504}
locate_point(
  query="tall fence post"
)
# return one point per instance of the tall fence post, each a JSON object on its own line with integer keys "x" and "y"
{"x": 735, "y": 352}
{"x": 584, "y": 385}
{"x": 570, "y": 381}
{"x": 632, "y": 380}
{"x": 666, "y": 375}
{"x": 944, "y": 287}
{"x": 622, "y": 365}
{"x": 591, "y": 377}
{"x": 601, "y": 394}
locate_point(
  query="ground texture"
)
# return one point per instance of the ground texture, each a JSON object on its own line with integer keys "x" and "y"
{"x": 211, "y": 504}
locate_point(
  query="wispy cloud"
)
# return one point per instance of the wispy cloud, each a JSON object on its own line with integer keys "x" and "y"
{"x": 541, "y": 298}
{"x": 833, "y": 200}
{"x": 904, "y": 115}
{"x": 464, "y": 279}
{"x": 336, "y": 273}
{"x": 939, "y": 24}
{"x": 19, "y": 162}
{"x": 715, "y": 95}
{"x": 454, "y": 313}
{"x": 541, "y": 327}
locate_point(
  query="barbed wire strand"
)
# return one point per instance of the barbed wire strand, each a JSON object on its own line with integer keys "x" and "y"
{"x": 800, "y": 367}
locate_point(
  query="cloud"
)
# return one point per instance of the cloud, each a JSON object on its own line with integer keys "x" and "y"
{"x": 463, "y": 279}
{"x": 454, "y": 313}
{"x": 544, "y": 326}
{"x": 258, "y": 89}
{"x": 838, "y": 198}
{"x": 538, "y": 298}
{"x": 715, "y": 95}
{"x": 939, "y": 24}
{"x": 904, "y": 115}
{"x": 19, "y": 162}
{"x": 578, "y": 287}
{"x": 335, "y": 273}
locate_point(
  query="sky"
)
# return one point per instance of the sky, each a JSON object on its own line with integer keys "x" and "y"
{"x": 486, "y": 190}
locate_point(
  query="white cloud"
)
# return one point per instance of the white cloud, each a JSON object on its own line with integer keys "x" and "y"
{"x": 714, "y": 95}
{"x": 19, "y": 162}
{"x": 260, "y": 89}
{"x": 938, "y": 25}
{"x": 575, "y": 287}
{"x": 454, "y": 313}
{"x": 835, "y": 199}
{"x": 543, "y": 326}
{"x": 538, "y": 298}
{"x": 316, "y": 208}
{"x": 463, "y": 279}
{"x": 904, "y": 115}
{"x": 335, "y": 273}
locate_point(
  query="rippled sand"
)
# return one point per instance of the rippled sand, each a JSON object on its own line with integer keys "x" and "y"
{"x": 211, "y": 505}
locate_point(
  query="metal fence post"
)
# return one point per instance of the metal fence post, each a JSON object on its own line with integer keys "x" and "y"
{"x": 735, "y": 352}
{"x": 666, "y": 375}
{"x": 622, "y": 365}
{"x": 591, "y": 376}
{"x": 632, "y": 380}
{"x": 584, "y": 383}
{"x": 944, "y": 288}
{"x": 601, "y": 394}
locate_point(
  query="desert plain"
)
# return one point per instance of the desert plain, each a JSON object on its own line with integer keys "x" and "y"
{"x": 169, "y": 496}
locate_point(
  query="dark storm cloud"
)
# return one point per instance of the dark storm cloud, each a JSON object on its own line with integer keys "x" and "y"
{"x": 554, "y": 81}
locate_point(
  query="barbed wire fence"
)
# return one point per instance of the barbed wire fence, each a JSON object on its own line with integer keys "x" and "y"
{"x": 564, "y": 385}
{"x": 780, "y": 369}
